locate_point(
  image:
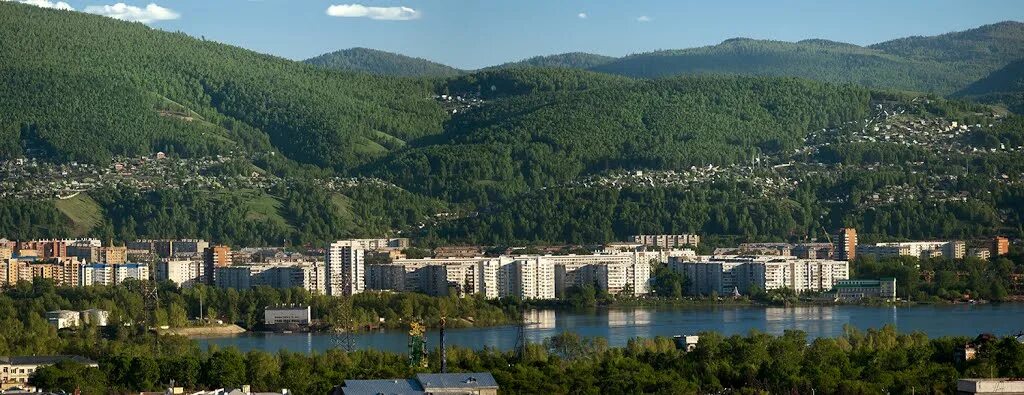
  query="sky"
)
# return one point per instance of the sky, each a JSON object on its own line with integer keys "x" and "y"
{"x": 471, "y": 34}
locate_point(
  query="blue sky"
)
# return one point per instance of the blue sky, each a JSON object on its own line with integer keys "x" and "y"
{"x": 472, "y": 34}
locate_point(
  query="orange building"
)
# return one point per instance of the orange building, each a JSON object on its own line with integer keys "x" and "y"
{"x": 114, "y": 255}
{"x": 214, "y": 257}
{"x": 845, "y": 244}
{"x": 1000, "y": 246}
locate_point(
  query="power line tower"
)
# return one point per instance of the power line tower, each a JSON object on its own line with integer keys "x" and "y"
{"x": 343, "y": 321}
{"x": 520, "y": 336}
{"x": 444, "y": 353}
{"x": 151, "y": 297}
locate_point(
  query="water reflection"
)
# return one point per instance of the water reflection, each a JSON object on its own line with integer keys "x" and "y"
{"x": 619, "y": 325}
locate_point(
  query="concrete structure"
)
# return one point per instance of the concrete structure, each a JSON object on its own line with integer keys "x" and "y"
{"x": 980, "y": 253}
{"x": 922, "y": 249}
{"x": 883, "y": 251}
{"x": 126, "y": 271}
{"x": 15, "y": 371}
{"x": 344, "y": 267}
{"x": 186, "y": 273}
{"x": 113, "y": 255}
{"x": 102, "y": 274}
{"x": 305, "y": 275}
{"x": 990, "y": 387}
{"x": 213, "y": 258}
{"x": 845, "y": 242}
{"x": 168, "y": 248}
{"x": 61, "y": 319}
{"x": 479, "y": 383}
{"x": 730, "y": 275}
{"x": 287, "y": 314}
{"x": 393, "y": 243}
{"x": 853, "y": 290}
{"x": 96, "y": 317}
{"x": 1000, "y": 246}
{"x": 666, "y": 241}
{"x": 612, "y": 273}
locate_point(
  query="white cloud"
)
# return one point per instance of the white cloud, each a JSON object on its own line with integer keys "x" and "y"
{"x": 124, "y": 12}
{"x": 643, "y": 18}
{"x": 60, "y": 5}
{"x": 378, "y": 13}
{"x": 582, "y": 15}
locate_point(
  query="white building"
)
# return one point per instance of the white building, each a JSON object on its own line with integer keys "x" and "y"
{"x": 920, "y": 249}
{"x": 61, "y": 319}
{"x": 126, "y": 271}
{"x": 95, "y": 317}
{"x": 15, "y": 371}
{"x": 287, "y": 314}
{"x": 612, "y": 273}
{"x": 728, "y": 275}
{"x": 345, "y": 274}
{"x": 186, "y": 273}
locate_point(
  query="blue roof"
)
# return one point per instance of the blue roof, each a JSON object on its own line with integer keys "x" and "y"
{"x": 382, "y": 387}
{"x": 456, "y": 380}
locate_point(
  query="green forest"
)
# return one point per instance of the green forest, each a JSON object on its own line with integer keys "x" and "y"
{"x": 516, "y": 164}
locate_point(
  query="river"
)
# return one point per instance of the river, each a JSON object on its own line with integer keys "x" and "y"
{"x": 619, "y": 325}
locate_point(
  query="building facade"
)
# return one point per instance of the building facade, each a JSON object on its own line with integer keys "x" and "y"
{"x": 344, "y": 266}
{"x": 845, "y": 244}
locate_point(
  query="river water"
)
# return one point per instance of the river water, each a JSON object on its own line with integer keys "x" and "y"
{"x": 619, "y": 325}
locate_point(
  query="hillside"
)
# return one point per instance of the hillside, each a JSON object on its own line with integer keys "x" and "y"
{"x": 543, "y": 138}
{"x": 377, "y": 62}
{"x": 572, "y": 60}
{"x": 940, "y": 64}
{"x": 84, "y": 88}
{"x": 1004, "y": 86}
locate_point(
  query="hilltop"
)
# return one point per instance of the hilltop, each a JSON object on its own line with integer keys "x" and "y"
{"x": 377, "y": 62}
{"x": 572, "y": 60}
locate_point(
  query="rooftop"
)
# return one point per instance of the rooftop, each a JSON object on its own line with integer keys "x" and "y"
{"x": 382, "y": 387}
{"x": 456, "y": 380}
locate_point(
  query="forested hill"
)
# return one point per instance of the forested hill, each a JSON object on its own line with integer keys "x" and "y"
{"x": 382, "y": 63}
{"x": 83, "y": 87}
{"x": 941, "y": 64}
{"x": 572, "y": 60}
{"x": 1004, "y": 86}
{"x": 541, "y": 139}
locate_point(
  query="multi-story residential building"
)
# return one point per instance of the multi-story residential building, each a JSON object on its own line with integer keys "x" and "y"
{"x": 126, "y": 271}
{"x": 213, "y": 258}
{"x": 919, "y": 249}
{"x": 845, "y": 242}
{"x": 739, "y": 274}
{"x": 1000, "y": 246}
{"x": 980, "y": 253}
{"x": 883, "y": 251}
{"x": 393, "y": 243}
{"x": 169, "y": 248}
{"x": 612, "y": 273}
{"x": 529, "y": 277}
{"x": 6, "y": 252}
{"x": 102, "y": 274}
{"x": 186, "y": 273}
{"x": 850, "y": 290}
{"x": 345, "y": 272}
{"x": 667, "y": 241}
{"x": 114, "y": 255}
{"x": 305, "y": 275}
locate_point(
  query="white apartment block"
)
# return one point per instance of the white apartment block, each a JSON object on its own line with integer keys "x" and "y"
{"x": 612, "y": 273}
{"x": 305, "y": 275}
{"x": 737, "y": 274}
{"x": 345, "y": 272}
{"x": 921, "y": 249}
{"x": 666, "y": 241}
{"x": 130, "y": 270}
{"x": 186, "y": 273}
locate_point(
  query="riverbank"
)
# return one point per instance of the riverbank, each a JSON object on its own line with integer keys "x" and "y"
{"x": 204, "y": 331}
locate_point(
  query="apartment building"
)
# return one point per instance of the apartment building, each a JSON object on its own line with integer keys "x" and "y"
{"x": 15, "y": 371}
{"x": 666, "y": 241}
{"x": 845, "y": 242}
{"x": 738, "y": 274}
{"x": 103, "y": 274}
{"x": 186, "y": 273}
{"x": 918, "y": 249}
{"x": 215, "y": 257}
{"x": 1000, "y": 246}
{"x": 612, "y": 273}
{"x": 345, "y": 271}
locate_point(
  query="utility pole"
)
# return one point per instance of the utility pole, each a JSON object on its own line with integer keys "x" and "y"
{"x": 444, "y": 354}
{"x": 520, "y": 336}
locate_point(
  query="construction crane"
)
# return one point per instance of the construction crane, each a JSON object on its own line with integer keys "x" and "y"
{"x": 417, "y": 345}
